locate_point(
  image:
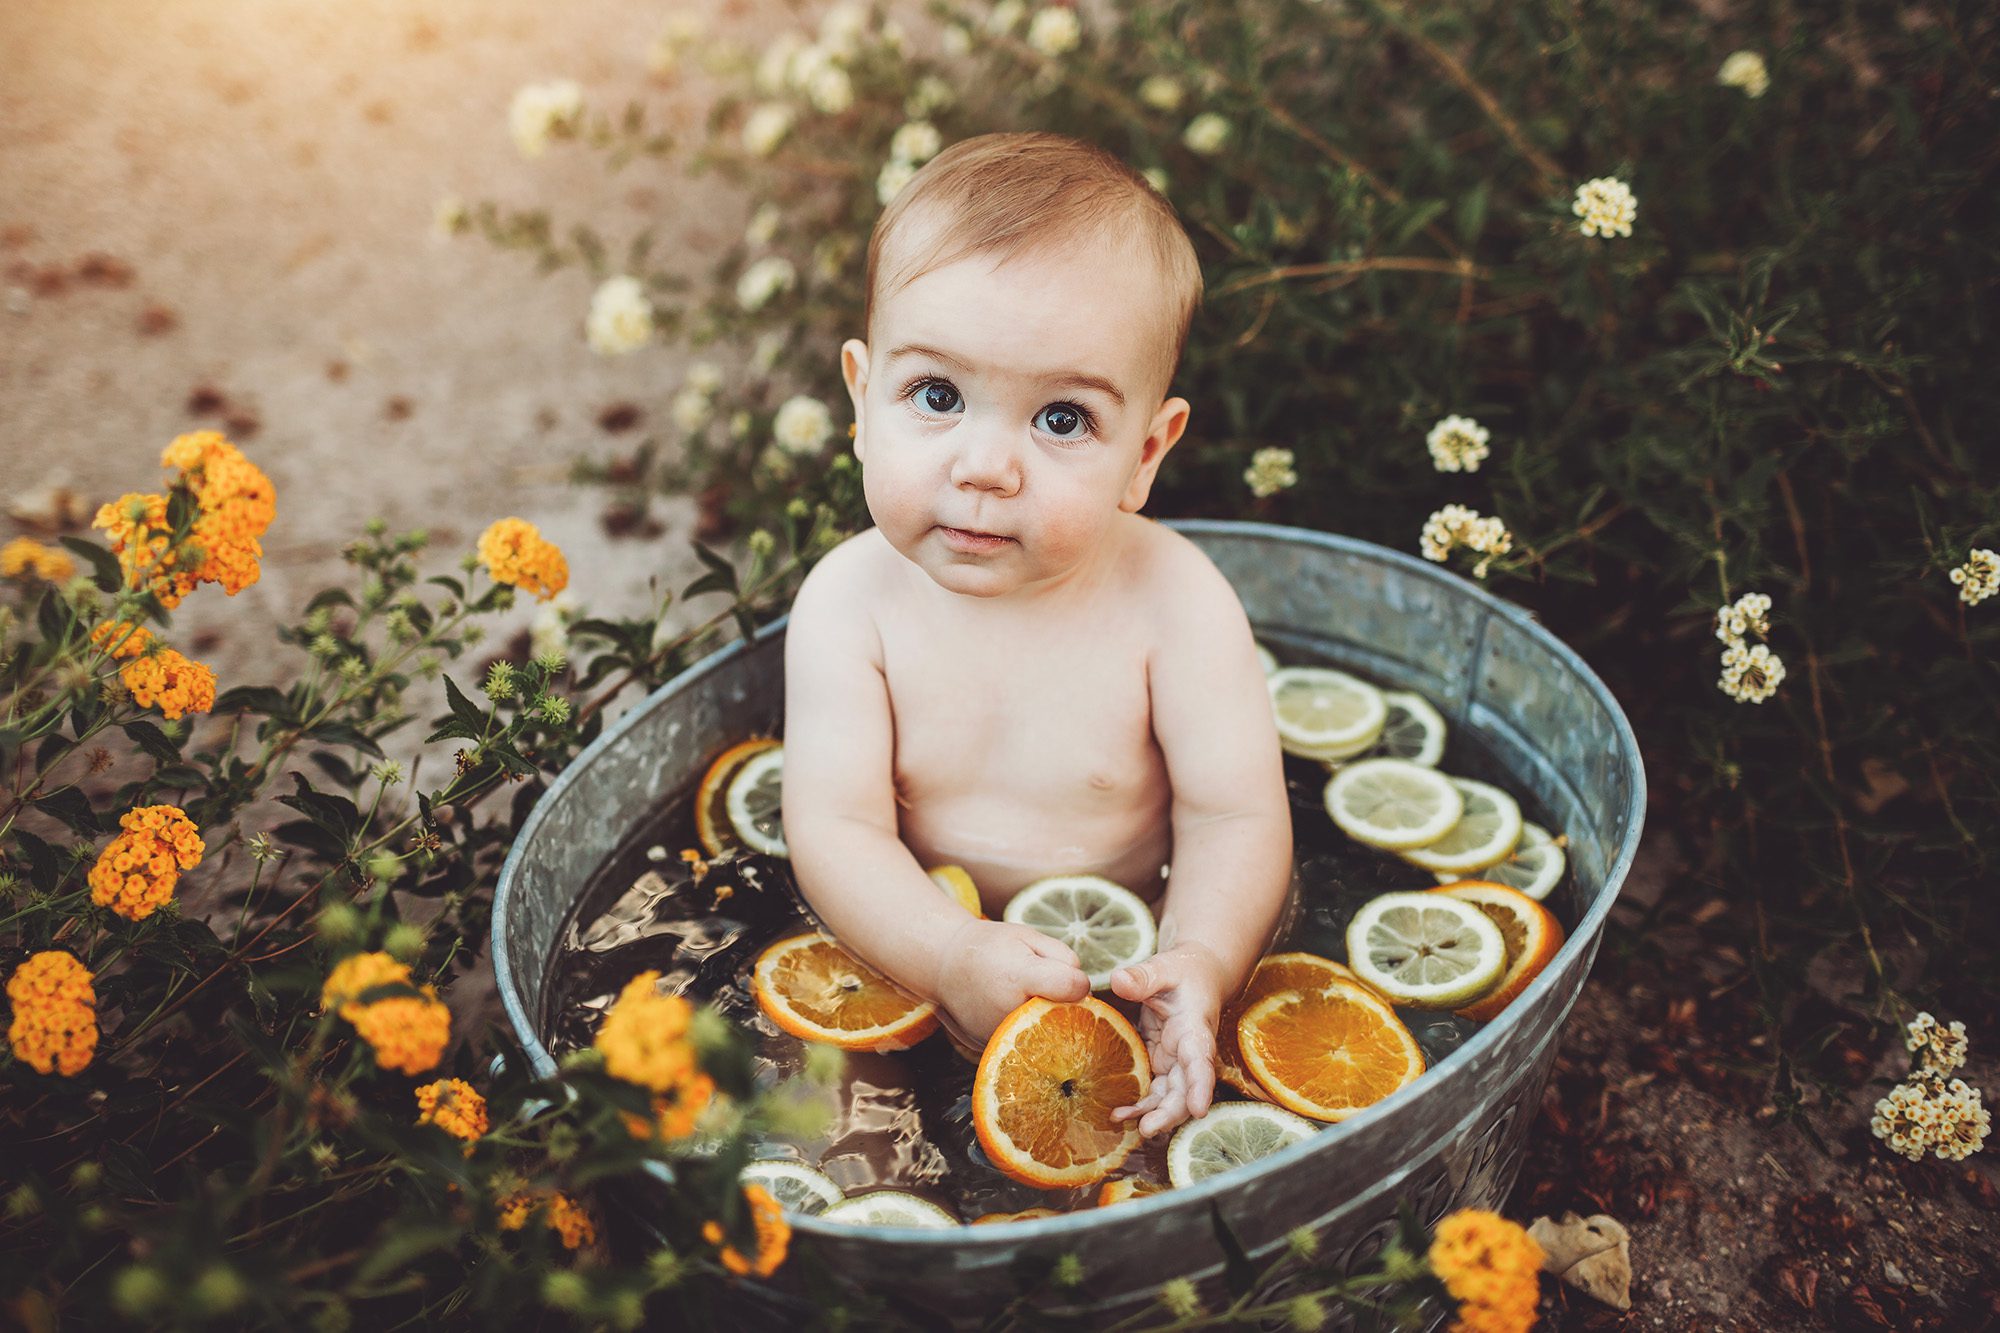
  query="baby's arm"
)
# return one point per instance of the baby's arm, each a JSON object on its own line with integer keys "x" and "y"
{"x": 840, "y": 826}
{"x": 1232, "y": 857}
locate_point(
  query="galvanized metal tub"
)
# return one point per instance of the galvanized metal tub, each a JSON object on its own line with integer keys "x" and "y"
{"x": 1453, "y": 1139}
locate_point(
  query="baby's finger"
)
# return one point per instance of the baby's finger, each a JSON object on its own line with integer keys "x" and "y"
{"x": 1054, "y": 980}
{"x": 1172, "y": 1108}
{"x": 1143, "y": 1105}
{"x": 1047, "y": 946}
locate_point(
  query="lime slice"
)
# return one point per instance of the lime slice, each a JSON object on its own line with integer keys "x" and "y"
{"x": 1425, "y": 950}
{"x": 1392, "y": 804}
{"x": 1109, "y": 926}
{"x": 1484, "y": 834}
{"x": 1535, "y": 868}
{"x": 1231, "y": 1135}
{"x": 1269, "y": 659}
{"x": 797, "y": 1187}
{"x": 756, "y": 800}
{"x": 1323, "y": 713}
{"x": 889, "y": 1208}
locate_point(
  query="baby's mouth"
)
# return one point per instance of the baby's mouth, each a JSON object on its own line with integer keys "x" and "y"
{"x": 974, "y": 536}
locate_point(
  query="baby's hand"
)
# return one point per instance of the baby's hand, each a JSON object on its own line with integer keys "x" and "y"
{"x": 1181, "y": 989}
{"x": 990, "y": 968}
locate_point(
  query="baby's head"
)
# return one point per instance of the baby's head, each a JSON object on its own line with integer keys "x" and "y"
{"x": 1028, "y": 299}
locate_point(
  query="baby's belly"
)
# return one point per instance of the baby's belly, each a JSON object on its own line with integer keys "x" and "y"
{"x": 1006, "y": 845}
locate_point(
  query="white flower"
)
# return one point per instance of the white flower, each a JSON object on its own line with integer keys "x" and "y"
{"x": 956, "y": 40}
{"x": 764, "y": 280}
{"x": 1270, "y": 471}
{"x": 1054, "y": 31}
{"x": 1748, "y": 613}
{"x": 895, "y": 174}
{"x": 1005, "y": 16}
{"x": 931, "y": 94}
{"x": 1457, "y": 444}
{"x": 542, "y": 111}
{"x": 691, "y": 410}
{"x": 1155, "y": 178}
{"x": 682, "y": 31}
{"x": 1941, "y": 1049}
{"x": 1161, "y": 92}
{"x": 548, "y": 631}
{"x": 1606, "y": 206}
{"x": 766, "y": 127}
{"x": 1745, "y": 70}
{"x": 803, "y": 425}
{"x": 916, "y": 141}
{"x": 843, "y": 27}
{"x": 774, "y": 67}
{"x": 621, "y": 318}
{"x": 1979, "y": 577}
{"x": 1750, "y": 675}
{"x": 831, "y": 90}
{"x": 1206, "y": 134}
{"x": 704, "y": 377}
{"x": 448, "y": 218}
{"x": 763, "y": 224}
{"x": 767, "y": 349}
{"x": 1456, "y": 525}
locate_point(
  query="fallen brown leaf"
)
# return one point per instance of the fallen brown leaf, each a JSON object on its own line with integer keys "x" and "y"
{"x": 1592, "y": 1254}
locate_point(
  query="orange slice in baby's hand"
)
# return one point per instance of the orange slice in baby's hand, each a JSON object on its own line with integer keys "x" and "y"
{"x": 813, "y": 988}
{"x": 1275, "y": 973}
{"x": 1050, "y": 1078}
{"x": 711, "y": 802}
{"x": 1531, "y": 932}
{"x": 1330, "y": 1052}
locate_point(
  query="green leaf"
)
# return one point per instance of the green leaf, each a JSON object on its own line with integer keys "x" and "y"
{"x": 1420, "y": 215}
{"x": 467, "y": 714}
{"x": 261, "y": 698}
{"x": 73, "y": 808}
{"x": 715, "y": 562}
{"x": 104, "y": 570}
{"x": 1472, "y": 213}
{"x": 342, "y": 733}
{"x": 1237, "y": 1270}
{"x": 710, "y": 582}
{"x": 336, "y": 814}
{"x": 154, "y": 742}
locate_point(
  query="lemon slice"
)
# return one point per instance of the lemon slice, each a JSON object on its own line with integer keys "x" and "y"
{"x": 1268, "y": 658}
{"x": 1392, "y": 804}
{"x": 1323, "y": 713}
{"x": 1425, "y": 950}
{"x": 958, "y": 886}
{"x": 889, "y": 1208}
{"x": 1108, "y": 925}
{"x": 1415, "y": 730}
{"x": 1535, "y": 868}
{"x": 1231, "y": 1135}
{"x": 1485, "y": 833}
{"x": 756, "y": 799}
{"x": 798, "y": 1188}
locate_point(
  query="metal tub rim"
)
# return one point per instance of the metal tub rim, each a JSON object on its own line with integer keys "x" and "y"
{"x": 1327, "y": 1139}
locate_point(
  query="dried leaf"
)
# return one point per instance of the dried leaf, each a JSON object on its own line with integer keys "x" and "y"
{"x": 1592, "y": 1254}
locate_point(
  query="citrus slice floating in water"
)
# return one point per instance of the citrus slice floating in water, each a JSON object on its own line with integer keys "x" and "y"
{"x": 1330, "y": 1052}
{"x": 1392, "y": 804}
{"x": 1231, "y": 1135}
{"x": 756, "y": 802}
{"x": 1531, "y": 932}
{"x": 798, "y": 1188}
{"x": 1050, "y": 1078}
{"x": 1126, "y": 1188}
{"x": 1323, "y": 713}
{"x": 1274, "y": 973}
{"x": 1025, "y": 1215}
{"x": 954, "y": 881}
{"x": 889, "y": 1208}
{"x": 1535, "y": 868}
{"x": 1108, "y": 925}
{"x": 711, "y": 813}
{"x": 1425, "y": 950}
{"x": 813, "y": 988}
{"x": 1415, "y": 730}
{"x": 1486, "y": 832}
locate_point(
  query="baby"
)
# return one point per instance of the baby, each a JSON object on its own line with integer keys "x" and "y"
{"x": 1013, "y": 671}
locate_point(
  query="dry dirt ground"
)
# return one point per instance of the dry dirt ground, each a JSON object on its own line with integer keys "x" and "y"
{"x": 217, "y": 213}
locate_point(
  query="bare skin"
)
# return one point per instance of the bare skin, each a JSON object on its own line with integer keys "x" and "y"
{"x": 1081, "y": 696}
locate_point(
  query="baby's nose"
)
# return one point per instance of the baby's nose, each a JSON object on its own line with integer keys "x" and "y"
{"x": 987, "y": 461}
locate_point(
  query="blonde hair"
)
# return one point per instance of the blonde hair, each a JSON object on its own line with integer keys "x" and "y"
{"x": 1027, "y": 193}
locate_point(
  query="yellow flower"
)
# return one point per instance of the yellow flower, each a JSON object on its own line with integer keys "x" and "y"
{"x": 140, "y": 537}
{"x": 356, "y": 974}
{"x": 454, "y": 1106}
{"x": 513, "y": 552}
{"x": 774, "y": 1235}
{"x": 237, "y": 501}
{"x": 644, "y": 1037}
{"x": 25, "y": 555}
{"x": 408, "y": 1032}
{"x": 175, "y": 683}
{"x": 55, "y": 1013}
{"x": 560, "y": 1213}
{"x": 675, "y": 1111}
{"x": 121, "y": 639}
{"x": 1491, "y": 1267}
{"x": 136, "y": 872}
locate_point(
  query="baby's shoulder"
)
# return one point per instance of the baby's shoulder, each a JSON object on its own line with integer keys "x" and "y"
{"x": 1184, "y": 592}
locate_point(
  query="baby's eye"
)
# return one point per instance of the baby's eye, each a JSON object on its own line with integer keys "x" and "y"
{"x": 1068, "y": 422}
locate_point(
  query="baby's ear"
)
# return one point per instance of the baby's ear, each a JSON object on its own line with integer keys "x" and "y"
{"x": 854, "y": 370}
{"x": 1161, "y": 435}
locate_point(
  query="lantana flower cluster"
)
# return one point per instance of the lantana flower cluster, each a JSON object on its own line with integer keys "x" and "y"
{"x": 235, "y": 504}
{"x": 544, "y": 111}
{"x": 1928, "y": 1111}
{"x": 1750, "y": 673}
{"x": 514, "y": 552}
{"x": 774, "y": 1235}
{"x": 1270, "y": 471}
{"x": 1492, "y": 1269}
{"x": 155, "y": 674}
{"x": 645, "y": 1040}
{"x": 454, "y": 1106}
{"x": 1606, "y": 205}
{"x": 25, "y": 555}
{"x": 1454, "y": 526}
{"x": 407, "y": 1031}
{"x": 1458, "y": 444}
{"x": 54, "y": 1006}
{"x": 136, "y": 872}
{"x": 1979, "y": 577}
{"x": 560, "y": 1213}
{"x": 620, "y": 318}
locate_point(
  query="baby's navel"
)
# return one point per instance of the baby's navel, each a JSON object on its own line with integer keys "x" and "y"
{"x": 1103, "y": 781}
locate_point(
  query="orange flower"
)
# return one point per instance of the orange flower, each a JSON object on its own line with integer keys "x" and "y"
{"x": 25, "y": 555}
{"x": 355, "y": 975}
{"x": 121, "y": 639}
{"x": 513, "y": 552}
{"x": 136, "y": 872}
{"x": 408, "y": 1032}
{"x": 774, "y": 1235}
{"x": 454, "y": 1106}
{"x": 140, "y": 537}
{"x": 55, "y": 1013}
{"x": 644, "y": 1037}
{"x": 675, "y": 1111}
{"x": 1491, "y": 1267}
{"x": 175, "y": 683}
{"x": 562, "y": 1215}
{"x": 237, "y": 501}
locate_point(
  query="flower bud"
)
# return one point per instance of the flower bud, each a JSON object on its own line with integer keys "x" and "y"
{"x": 404, "y": 942}
{"x": 339, "y": 924}
{"x": 138, "y": 1290}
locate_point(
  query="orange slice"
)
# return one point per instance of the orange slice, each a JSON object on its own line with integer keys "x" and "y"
{"x": 711, "y": 810}
{"x": 1047, "y": 1084}
{"x": 1532, "y": 934}
{"x": 1025, "y": 1215}
{"x": 1331, "y": 1052}
{"x": 1124, "y": 1188}
{"x": 1277, "y": 972}
{"x": 955, "y": 882}
{"x": 813, "y": 988}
